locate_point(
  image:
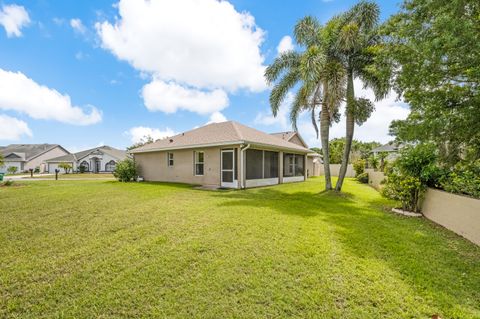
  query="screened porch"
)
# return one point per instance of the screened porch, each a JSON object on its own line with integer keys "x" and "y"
{"x": 265, "y": 167}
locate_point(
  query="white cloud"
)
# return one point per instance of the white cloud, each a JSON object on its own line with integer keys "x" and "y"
{"x": 374, "y": 129}
{"x": 281, "y": 120}
{"x": 22, "y": 94}
{"x": 170, "y": 97}
{"x": 12, "y": 128}
{"x": 217, "y": 117}
{"x": 285, "y": 45}
{"x": 78, "y": 26}
{"x": 58, "y": 21}
{"x": 138, "y": 133}
{"x": 13, "y": 18}
{"x": 80, "y": 55}
{"x": 204, "y": 45}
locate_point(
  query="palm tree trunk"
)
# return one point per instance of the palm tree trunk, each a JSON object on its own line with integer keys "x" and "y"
{"x": 350, "y": 115}
{"x": 324, "y": 131}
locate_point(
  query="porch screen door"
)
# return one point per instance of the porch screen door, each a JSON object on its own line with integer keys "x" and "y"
{"x": 227, "y": 169}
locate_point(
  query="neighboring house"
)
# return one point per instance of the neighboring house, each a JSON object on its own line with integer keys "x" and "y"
{"x": 30, "y": 156}
{"x": 314, "y": 160}
{"x": 391, "y": 148}
{"x": 226, "y": 154}
{"x": 101, "y": 159}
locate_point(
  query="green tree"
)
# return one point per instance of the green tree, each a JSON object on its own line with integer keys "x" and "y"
{"x": 319, "y": 75}
{"x": 147, "y": 139}
{"x": 65, "y": 166}
{"x": 357, "y": 46}
{"x": 434, "y": 48}
{"x": 12, "y": 169}
{"x": 373, "y": 162}
{"x": 2, "y": 160}
{"x": 382, "y": 156}
{"x": 359, "y": 150}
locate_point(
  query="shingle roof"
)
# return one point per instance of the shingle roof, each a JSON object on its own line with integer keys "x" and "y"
{"x": 30, "y": 150}
{"x": 284, "y": 135}
{"x": 119, "y": 154}
{"x": 390, "y": 147}
{"x": 224, "y": 133}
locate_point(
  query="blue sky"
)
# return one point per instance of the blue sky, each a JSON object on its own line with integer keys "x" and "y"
{"x": 85, "y": 73}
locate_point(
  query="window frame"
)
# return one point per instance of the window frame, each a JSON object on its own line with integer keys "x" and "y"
{"x": 262, "y": 163}
{"x": 172, "y": 160}
{"x": 292, "y": 167}
{"x": 197, "y": 162}
{"x": 109, "y": 164}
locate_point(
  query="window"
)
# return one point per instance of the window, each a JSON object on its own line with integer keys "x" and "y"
{"x": 293, "y": 165}
{"x": 199, "y": 163}
{"x": 261, "y": 164}
{"x": 170, "y": 159}
{"x": 110, "y": 166}
{"x": 85, "y": 166}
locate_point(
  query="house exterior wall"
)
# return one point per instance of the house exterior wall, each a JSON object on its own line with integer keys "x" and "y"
{"x": 313, "y": 168}
{"x": 153, "y": 166}
{"x": 18, "y": 165}
{"x": 39, "y": 160}
{"x": 51, "y": 167}
{"x": 104, "y": 159}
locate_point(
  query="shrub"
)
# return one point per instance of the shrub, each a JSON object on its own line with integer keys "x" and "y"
{"x": 8, "y": 183}
{"x": 363, "y": 178}
{"x": 406, "y": 189}
{"x": 463, "y": 179}
{"x": 12, "y": 169}
{"x": 36, "y": 170}
{"x": 409, "y": 176}
{"x": 359, "y": 166}
{"x": 125, "y": 171}
{"x": 373, "y": 162}
{"x": 82, "y": 169}
{"x": 420, "y": 161}
{"x": 66, "y": 167}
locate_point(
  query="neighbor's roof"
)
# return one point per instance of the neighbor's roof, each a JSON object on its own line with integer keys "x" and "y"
{"x": 389, "y": 147}
{"x": 118, "y": 154}
{"x": 215, "y": 134}
{"x": 30, "y": 151}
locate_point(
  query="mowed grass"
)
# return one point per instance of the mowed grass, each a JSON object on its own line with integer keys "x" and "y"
{"x": 75, "y": 176}
{"x": 99, "y": 249}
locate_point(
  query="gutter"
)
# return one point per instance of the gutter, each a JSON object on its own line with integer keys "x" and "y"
{"x": 242, "y": 150}
{"x": 267, "y": 146}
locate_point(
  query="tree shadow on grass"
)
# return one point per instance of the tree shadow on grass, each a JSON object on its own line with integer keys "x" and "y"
{"x": 431, "y": 260}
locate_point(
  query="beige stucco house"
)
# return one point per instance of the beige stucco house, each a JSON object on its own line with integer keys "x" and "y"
{"x": 102, "y": 159}
{"x": 30, "y": 156}
{"x": 226, "y": 154}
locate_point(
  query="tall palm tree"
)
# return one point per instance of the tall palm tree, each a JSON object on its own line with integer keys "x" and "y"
{"x": 356, "y": 43}
{"x": 321, "y": 81}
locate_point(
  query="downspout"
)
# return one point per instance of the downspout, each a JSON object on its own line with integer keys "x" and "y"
{"x": 241, "y": 165}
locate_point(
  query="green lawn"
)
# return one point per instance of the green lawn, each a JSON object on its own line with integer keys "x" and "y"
{"x": 75, "y": 176}
{"x": 91, "y": 249}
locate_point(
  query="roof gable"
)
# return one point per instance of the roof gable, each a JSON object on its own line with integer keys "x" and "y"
{"x": 29, "y": 151}
{"x": 116, "y": 153}
{"x": 20, "y": 156}
{"x": 292, "y": 137}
